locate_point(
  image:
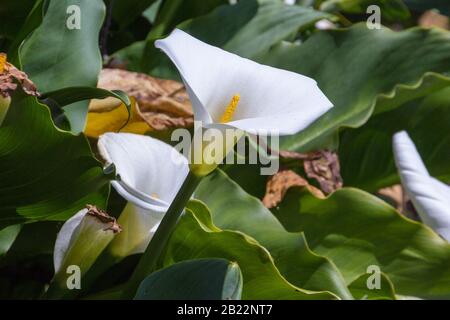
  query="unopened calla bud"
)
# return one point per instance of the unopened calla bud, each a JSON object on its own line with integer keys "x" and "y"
{"x": 80, "y": 241}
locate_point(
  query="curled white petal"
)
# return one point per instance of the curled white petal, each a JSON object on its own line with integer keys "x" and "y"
{"x": 270, "y": 98}
{"x": 65, "y": 238}
{"x": 150, "y": 172}
{"x": 430, "y": 197}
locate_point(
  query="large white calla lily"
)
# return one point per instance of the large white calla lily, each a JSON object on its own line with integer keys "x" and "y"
{"x": 430, "y": 197}
{"x": 149, "y": 175}
{"x": 227, "y": 90}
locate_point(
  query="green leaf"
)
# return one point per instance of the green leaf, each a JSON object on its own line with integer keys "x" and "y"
{"x": 47, "y": 173}
{"x": 251, "y": 27}
{"x": 248, "y": 177}
{"x": 151, "y": 12}
{"x": 132, "y": 56}
{"x": 70, "y": 95}
{"x": 7, "y": 237}
{"x": 33, "y": 240}
{"x": 233, "y": 209}
{"x": 125, "y": 12}
{"x": 356, "y": 230}
{"x": 248, "y": 28}
{"x": 366, "y": 154}
{"x": 13, "y": 14}
{"x": 203, "y": 279}
{"x": 391, "y": 10}
{"x": 58, "y": 99}
{"x": 33, "y": 20}
{"x": 56, "y": 57}
{"x": 142, "y": 56}
{"x": 173, "y": 12}
{"x": 197, "y": 237}
{"x": 360, "y": 290}
{"x": 360, "y": 70}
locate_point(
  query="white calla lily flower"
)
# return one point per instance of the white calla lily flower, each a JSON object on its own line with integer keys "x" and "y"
{"x": 227, "y": 90}
{"x": 149, "y": 175}
{"x": 430, "y": 197}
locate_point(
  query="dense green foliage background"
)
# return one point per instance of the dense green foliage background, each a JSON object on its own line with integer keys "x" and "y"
{"x": 380, "y": 81}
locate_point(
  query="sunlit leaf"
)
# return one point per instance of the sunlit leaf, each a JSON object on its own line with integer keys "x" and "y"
{"x": 56, "y": 56}
{"x": 356, "y": 230}
{"x": 202, "y": 279}
{"x": 364, "y": 71}
{"x": 47, "y": 174}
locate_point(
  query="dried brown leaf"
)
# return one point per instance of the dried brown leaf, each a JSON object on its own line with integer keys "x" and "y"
{"x": 10, "y": 75}
{"x": 103, "y": 217}
{"x": 324, "y": 166}
{"x": 281, "y": 182}
{"x": 432, "y": 18}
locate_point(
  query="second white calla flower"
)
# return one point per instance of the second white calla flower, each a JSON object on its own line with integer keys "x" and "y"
{"x": 430, "y": 197}
{"x": 227, "y": 90}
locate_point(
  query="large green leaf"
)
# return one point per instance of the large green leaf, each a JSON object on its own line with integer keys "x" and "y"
{"x": 197, "y": 237}
{"x": 359, "y": 69}
{"x": 173, "y": 12}
{"x": 46, "y": 173}
{"x": 233, "y": 209}
{"x": 251, "y": 27}
{"x": 142, "y": 56}
{"x": 357, "y": 230}
{"x": 248, "y": 28}
{"x": 202, "y": 279}
{"x": 56, "y": 57}
{"x": 366, "y": 154}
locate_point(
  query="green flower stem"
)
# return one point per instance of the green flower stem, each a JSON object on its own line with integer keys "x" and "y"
{"x": 152, "y": 254}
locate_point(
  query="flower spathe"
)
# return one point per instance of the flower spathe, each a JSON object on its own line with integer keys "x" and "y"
{"x": 149, "y": 175}
{"x": 227, "y": 90}
{"x": 82, "y": 238}
{"x": 430, "y": 197}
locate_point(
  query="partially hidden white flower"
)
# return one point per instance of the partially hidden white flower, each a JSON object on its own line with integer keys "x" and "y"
{"x": 229, "y": 91}
{"x": 430, "y": 197}
{"x": 81, "y": 240}
{"x": 149, "y": 175}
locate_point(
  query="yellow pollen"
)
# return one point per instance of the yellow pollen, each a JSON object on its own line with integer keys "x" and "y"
{"x": 2, "y": 62}
{"x": 154, "y": 195}
{"x": 227, "y": 116}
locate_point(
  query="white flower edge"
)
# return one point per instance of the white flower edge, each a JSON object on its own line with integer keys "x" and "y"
{"x": 64, "y": 238}
{"x": 149, "y": 171}
{"x": 271, "y": 99}
{"x": 430, "y": 197}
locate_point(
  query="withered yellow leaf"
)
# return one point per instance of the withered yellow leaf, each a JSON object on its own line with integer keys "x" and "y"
{"x": 115, "y": 120}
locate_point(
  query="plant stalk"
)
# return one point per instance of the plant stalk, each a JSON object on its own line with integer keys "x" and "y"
{"x": 152, "y": 254}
